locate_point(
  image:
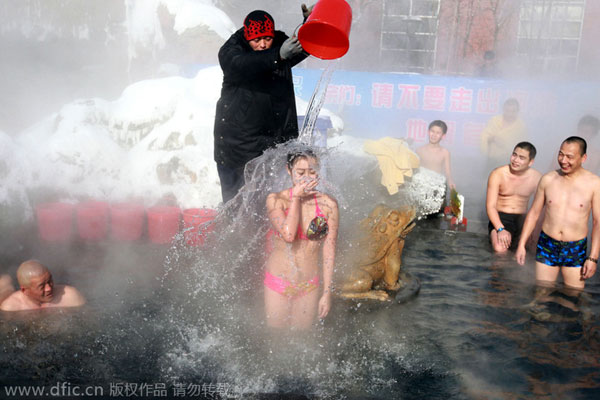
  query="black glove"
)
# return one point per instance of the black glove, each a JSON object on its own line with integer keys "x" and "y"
{"x": 306, "y": 11}
{"x": 290, "y": 48}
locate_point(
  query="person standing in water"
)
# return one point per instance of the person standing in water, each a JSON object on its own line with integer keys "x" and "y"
{"x": 303, "y": 221}
{"x": 569, "y": 195}
{"x": 508, "y": 192}
{"x": 500, "y": 134}
{"x": 37, "y": 290}
{"x": 435, "y": 157}
{"x": 257, "y": 108}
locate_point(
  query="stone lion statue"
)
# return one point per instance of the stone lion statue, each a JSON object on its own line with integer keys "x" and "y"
{"x": 377, "y": 273}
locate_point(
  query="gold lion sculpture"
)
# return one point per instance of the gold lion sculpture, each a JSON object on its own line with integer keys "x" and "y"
{"x": 378, "y": 269}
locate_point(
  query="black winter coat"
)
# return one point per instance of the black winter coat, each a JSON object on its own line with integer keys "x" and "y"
{"x": 257, "y": 108}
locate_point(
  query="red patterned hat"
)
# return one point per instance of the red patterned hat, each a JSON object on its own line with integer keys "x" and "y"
{"x": 258, "y": 23}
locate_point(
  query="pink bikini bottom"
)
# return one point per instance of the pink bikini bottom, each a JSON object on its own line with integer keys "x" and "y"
{"x": 289, "y": 289}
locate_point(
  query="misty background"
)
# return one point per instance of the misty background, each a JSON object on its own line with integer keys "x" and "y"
{"x": 54, "y": 51}
{"x": 57, "y": 51}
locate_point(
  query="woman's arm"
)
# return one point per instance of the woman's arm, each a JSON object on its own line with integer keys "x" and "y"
{"x": 329, "y": 246}
{"x": 287, "y": 225}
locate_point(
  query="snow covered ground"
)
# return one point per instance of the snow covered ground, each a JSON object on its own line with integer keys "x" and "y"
{"x": 155, "y": 140}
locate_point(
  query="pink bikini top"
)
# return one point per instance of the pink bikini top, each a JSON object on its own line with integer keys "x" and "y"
{"x": 318, "y": 213}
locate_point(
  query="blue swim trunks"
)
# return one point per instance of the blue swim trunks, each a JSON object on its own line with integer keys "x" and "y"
{"x": 560, "y": 254}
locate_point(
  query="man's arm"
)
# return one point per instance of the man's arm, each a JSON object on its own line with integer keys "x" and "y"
{"x": 589, "y": 267}
{"x": 242, "y": 63}
{"x": 447, "y": 170}
{"x": 297, "y": 59}
{"x": 73, "y": 297}
{"x": 11, "y": 303}
{"x": 532, "y": 217}
{"x": 419, "y": 152}
{"x": 6, "y": 287}
{"x": 504, "y": 237}
{"x": 491, "y": 200}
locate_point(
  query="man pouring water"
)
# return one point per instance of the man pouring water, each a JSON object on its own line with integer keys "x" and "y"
{"x": 257, "y": 108}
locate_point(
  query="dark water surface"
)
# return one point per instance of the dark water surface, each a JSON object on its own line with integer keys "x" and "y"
{"x": 152, "y": 327}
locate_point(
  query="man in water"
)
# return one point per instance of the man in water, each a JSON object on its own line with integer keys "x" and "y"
{"x": 501, "y": 132}
{"x": 569, "y": 194}
{"x": 37, "y": 290}
{"x": 508, "y": 191}
{"x": 257, "y": 108}
{"x": 435, "y": 157}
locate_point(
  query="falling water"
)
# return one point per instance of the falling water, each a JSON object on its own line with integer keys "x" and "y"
{"x": 315, "y": 104}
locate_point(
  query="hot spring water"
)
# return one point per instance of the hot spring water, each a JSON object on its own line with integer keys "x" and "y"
{"x": 169, "y": 320}
{"x": 194, "y": 320}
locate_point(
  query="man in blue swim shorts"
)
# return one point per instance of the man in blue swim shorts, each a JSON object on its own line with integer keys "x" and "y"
{"x": 569, "y": 195}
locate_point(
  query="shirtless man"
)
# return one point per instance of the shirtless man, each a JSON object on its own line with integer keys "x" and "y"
{"x": 508, "y": 192}
{"x": 435, "y": 157}
{"x": 569, "y": 195}
{"x": 37, "y": 290}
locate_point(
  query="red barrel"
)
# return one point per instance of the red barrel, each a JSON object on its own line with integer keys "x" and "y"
{"x": 197, "y": 224}
{"x": 163, "y": 223}
{"x": 325, "y": 33}
{"x": 92, "y": 220}
{"x": 126, "y": 221}
{"x": 55, "y": 221}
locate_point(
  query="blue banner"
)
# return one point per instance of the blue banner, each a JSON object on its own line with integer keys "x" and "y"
{"x": 374, "y": 105}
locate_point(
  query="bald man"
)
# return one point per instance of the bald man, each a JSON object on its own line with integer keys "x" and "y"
{"x": 37, "y": 290}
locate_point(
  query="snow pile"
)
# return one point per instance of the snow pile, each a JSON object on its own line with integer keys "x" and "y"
{"x": 144, "y": 27}
{"x": 191, "y": 13}
{"x": 154, "y": 141}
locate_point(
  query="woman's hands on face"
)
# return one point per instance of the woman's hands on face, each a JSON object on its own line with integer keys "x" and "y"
{"x": 305, "y": 186}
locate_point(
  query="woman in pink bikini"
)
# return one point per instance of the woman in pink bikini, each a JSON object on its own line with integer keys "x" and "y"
{"x": 303, "y": 221}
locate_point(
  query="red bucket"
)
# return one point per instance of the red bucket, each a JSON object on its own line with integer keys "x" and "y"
{"x": 126, "y": 221}
{"x": 92, "y": 220}
{"x": 325, "y": 33}
{"x": 55, "y": 221}
{"x": 163, "y": 223}
{"x": 197, "y": 223}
